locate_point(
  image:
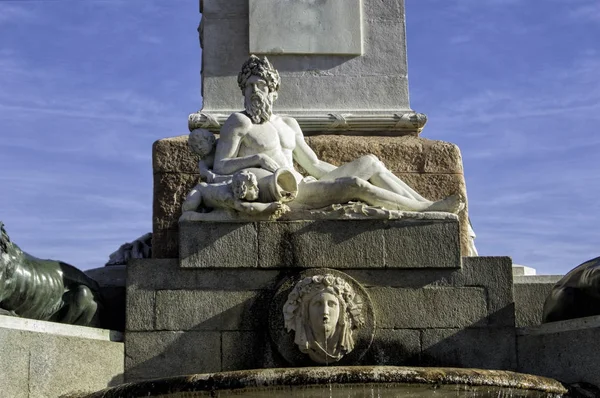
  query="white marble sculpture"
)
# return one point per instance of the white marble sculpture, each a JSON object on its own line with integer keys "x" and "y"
{"x": 247, "y": 194}
{"x": 256, "y": 138}
{"x": 267, "y": 145}
{"x": 226, "y": 200}
{"x": 324, "y": 312}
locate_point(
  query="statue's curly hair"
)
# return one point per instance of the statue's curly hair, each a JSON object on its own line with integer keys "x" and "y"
{"x": 262, "y": 68}
{"x": 310, "y": 285}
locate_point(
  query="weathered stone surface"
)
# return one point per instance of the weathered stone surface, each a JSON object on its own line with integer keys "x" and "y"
{"x": 14, "y": 362}
{"x": 165, "y": 274}
{"x": 327, "y": 27}
{"x": 395, "y": 347}
{"x": 435, "y": 307}
{"x": 565, "y": 350}
{"x": 433, "y": 244}
{"x": 244, "y": 350}
{"x": 224, "y": 10}
{"x": 405, "y": 154}
{"x": 318, "y": 244}
{"x": 99, "y": 365}
{"x": 165, "y": 243}
{"x": 495, "y": 274}
{"x": 432, "y": 168}
{"x": 139, "y": 309}
{"x": 170, "y": 191}
{"x": 162, "y": 354}
{"x": 405, "y": 278}
{"x": 209, "y": 310}
{"x": 219, "y": 32}
{"x": 37, "y": 364}
{"x": 483, "y": 348}
{"x": 171, "y": 155}
{"x": 213, "y": 245}
{"x": 384, "y": 52}
{"x": 529, "y": 302}
{"x": 340, "y": 244}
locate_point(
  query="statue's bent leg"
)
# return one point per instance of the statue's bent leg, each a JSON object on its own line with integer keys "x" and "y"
{"x": 193, "y": 200}
{"x": 79, "y": 308}
{"x": 321, "y": 193}
{"x": 370, "y": 168}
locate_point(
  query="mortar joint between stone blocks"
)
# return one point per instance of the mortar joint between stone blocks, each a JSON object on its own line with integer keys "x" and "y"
{"x": 154, "y": 314}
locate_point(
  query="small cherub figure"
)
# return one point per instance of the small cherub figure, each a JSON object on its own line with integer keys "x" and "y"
{"x": 220, "y": 198}
{"x": 203, "y": 143}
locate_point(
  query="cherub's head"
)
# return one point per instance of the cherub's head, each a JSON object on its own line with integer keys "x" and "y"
{"x": 201, "y": 142}
{"x": 245, "y": 185}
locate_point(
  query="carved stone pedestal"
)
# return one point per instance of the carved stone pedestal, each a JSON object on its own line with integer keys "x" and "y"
{"x": 221, "y": 306}
{"x": 432, "y": 168}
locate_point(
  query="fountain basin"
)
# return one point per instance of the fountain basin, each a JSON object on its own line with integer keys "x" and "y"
{"x": 351, "y": 381}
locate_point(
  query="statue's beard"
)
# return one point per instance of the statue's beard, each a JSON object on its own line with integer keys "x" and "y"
{"x": 259, "y": 108}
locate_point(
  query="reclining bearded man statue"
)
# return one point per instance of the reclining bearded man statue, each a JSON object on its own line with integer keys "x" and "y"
{"x": 257, "y": 138}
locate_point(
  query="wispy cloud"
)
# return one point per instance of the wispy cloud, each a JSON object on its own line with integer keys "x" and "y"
{"x": 13, "y": 13}
{"x": 589, "y": 10}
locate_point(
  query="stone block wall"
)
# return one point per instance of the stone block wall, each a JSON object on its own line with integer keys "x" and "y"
{"x": 198, "y": 320}
{"x": 564, "y": 350}
{"x": 45, "y": 359}
{"x": 433, "y": 168}
{"x": 530, "y": 294}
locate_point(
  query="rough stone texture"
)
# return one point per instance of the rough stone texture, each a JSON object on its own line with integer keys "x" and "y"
{"x": 38, "y": 364}
{"x": 143, "y": 301}
{"x": 14, "y": 362}
{"x": 165, "y": 274}
{"x": 406, "y": 154}
{"x": 395, "y": 347}
{"x": 495, "y": 274}
{"x": 433, "y": 168}
{"x": 452, "y": 316}
{"x": 529, "y": 302}
{"x": 244, "y": 350}
{"x": 170, "y": 190}
{"x": 165, "y": 242}
{"x": 566, "y": 351}
{"x": 429, "y": 307}
{"x": 163, "y": 354}
{"x": 207, "y": 310}
{"x": 483, "y": 348}
{"x": 217, "y": 245}
{"x": 225, "y": 38}
{"x": 340, "y": 244}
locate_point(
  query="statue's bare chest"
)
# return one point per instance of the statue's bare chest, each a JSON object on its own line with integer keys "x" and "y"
{"x": 269, "y": 136}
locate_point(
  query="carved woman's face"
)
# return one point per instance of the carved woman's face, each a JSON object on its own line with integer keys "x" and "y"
{"x": 324, "y": 313}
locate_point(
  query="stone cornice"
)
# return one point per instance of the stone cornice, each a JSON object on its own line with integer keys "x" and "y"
{"x": 389, "y": 123}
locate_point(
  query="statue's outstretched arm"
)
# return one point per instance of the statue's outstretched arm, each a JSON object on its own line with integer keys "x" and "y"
{"x": 305, "y": 156}
{"x": 226, "y": 155}
{"x": 254, "y": 208}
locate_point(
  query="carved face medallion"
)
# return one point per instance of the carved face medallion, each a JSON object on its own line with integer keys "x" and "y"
{"x": 324, "y": 311}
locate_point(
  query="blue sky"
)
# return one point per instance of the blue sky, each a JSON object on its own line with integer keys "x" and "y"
{"x": 86, "y": 87}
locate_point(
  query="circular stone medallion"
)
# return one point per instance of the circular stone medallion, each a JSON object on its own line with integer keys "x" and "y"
{"x": 321, "y": 316}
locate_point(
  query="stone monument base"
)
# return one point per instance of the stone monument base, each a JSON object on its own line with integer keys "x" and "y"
{"x": 46, "y": 359}
{"x": 565, "y": 350}
{"x": 432, "y": 168}
{"x": 193, "y": 316}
